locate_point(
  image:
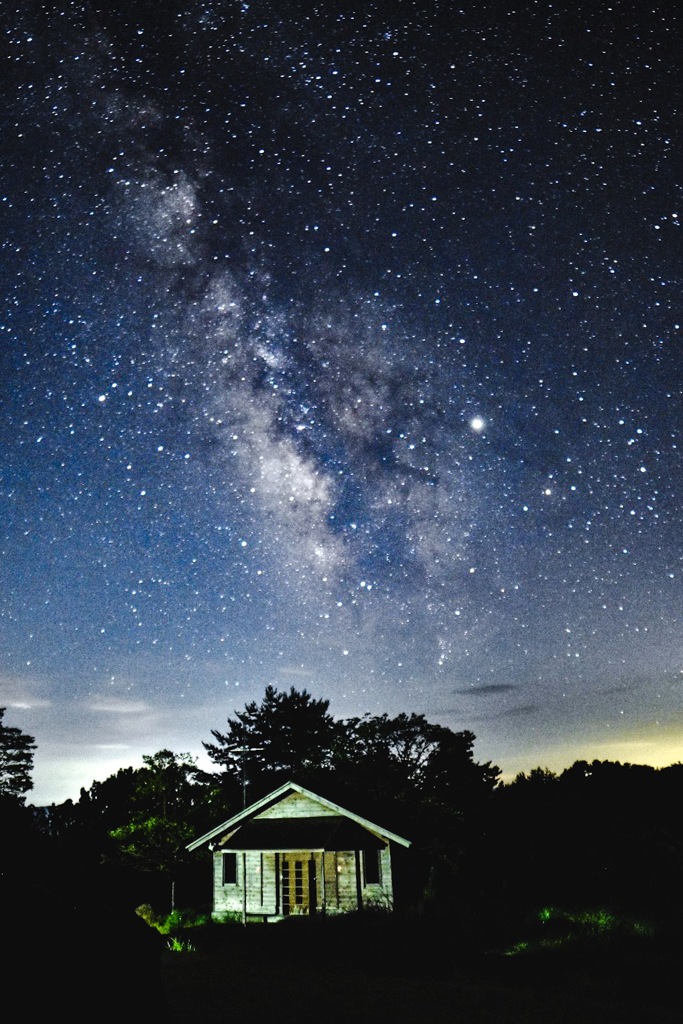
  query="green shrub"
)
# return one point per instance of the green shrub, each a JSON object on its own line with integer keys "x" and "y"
{"x": 179, "y": 920}
{"x": 176, "y": 921}
{"x": 148, "y": 915}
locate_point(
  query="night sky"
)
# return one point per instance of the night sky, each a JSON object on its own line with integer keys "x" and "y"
{"x": 340, "y": 349}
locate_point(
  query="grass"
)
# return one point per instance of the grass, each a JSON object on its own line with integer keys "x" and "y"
{"x": 599, "y": 929}
{"x": 388, "y": 969}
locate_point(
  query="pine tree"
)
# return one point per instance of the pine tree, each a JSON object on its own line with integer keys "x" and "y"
{"x": 16, "y": 760}
{"x": 288, "y": 735}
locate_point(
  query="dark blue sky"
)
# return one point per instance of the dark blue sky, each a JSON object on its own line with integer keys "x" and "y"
{"x": 340, "y": 348}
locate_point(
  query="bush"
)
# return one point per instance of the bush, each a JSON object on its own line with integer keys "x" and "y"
{"x": 176, "y": 921}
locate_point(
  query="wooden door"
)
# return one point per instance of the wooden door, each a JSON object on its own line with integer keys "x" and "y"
{"x": 298, "y": 883}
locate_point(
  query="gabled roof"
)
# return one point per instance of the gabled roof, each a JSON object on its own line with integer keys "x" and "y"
{"x": 279, "y": 794}
{"x": 326, "y": 833}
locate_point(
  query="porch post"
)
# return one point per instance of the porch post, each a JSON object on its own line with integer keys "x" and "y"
{"x": 277, "y": 884}
{"x": 244, "y": 887}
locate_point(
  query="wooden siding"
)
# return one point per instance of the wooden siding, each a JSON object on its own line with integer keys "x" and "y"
{"x": 381, "y": 894}
{"x": 333, "y": 880}
{"x": 226, "y": 898}
{"x": 297, "y": 805}
{"x": 347, "y": 884}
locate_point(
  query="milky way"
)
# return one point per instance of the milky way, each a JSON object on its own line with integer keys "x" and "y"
{"x": 341, "y": 349}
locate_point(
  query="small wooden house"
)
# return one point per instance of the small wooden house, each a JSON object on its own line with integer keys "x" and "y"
{"x": 294, "y": 852}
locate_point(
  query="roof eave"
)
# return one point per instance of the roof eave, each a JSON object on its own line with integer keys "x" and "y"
{"x": 273, "y": 797}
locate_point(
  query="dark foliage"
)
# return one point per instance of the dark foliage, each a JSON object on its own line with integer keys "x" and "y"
{"x": 69, "y": 926}
{"x": 599, "y": 833}
{"x": 484, "y": 855}
{"x": 16, "y": 760}
{"x": 85, "y": 949}
{"x": 289, "y": 733}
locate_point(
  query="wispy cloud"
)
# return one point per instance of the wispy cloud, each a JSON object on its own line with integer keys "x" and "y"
{"x": 486, "y": 690}
{"x": 118, "y": 706}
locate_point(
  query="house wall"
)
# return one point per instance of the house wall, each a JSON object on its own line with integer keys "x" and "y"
{"x": 338, "y": 881}
{"x": 331, "y": 891}
{"x": 381, "y": 895}
{"x": 297, "y": 805}
{"x": 347, "y": 886}
{"x": 350, "y": 879}
{"x": 226, "y": 898}
{"x": 261, "y": 881}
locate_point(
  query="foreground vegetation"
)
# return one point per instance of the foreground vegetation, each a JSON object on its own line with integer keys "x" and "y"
{"x": 562, "y": 968}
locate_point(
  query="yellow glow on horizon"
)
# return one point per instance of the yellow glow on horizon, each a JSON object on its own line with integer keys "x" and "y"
{"x": 658, "y": 746}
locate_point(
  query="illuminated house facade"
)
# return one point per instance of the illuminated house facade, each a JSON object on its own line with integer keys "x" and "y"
{"x": 296, "y": 853}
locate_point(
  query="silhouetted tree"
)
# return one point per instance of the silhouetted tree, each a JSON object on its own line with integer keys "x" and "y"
{"x": 167, "y": 785}
{"x": 536, "y": 777}
{"x": 410, "y": 767}
{"x": 289, "y": 734}
{"x": 398, "y": 747}
{"x": 452, "y": 777}
{"x": 16, "y": 760}
{"x": 600, "y": 832}
{"x": 127, "y": 832}
{"x": 82, "y": 827}
{"x": 161, "y": 818}
{"x": 112, "y": 949}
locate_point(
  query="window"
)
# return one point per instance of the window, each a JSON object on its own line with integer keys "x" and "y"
{"x": 229, "y": 868}
{"x": 371, "y": 864}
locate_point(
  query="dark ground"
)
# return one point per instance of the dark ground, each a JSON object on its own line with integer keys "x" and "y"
{"x": 308, "y": 973}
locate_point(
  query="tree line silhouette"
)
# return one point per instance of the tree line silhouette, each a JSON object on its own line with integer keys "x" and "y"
{"x": 602, "y": 832}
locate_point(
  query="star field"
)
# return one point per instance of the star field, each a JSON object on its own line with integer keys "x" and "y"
{"x": 340, "y": 348}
